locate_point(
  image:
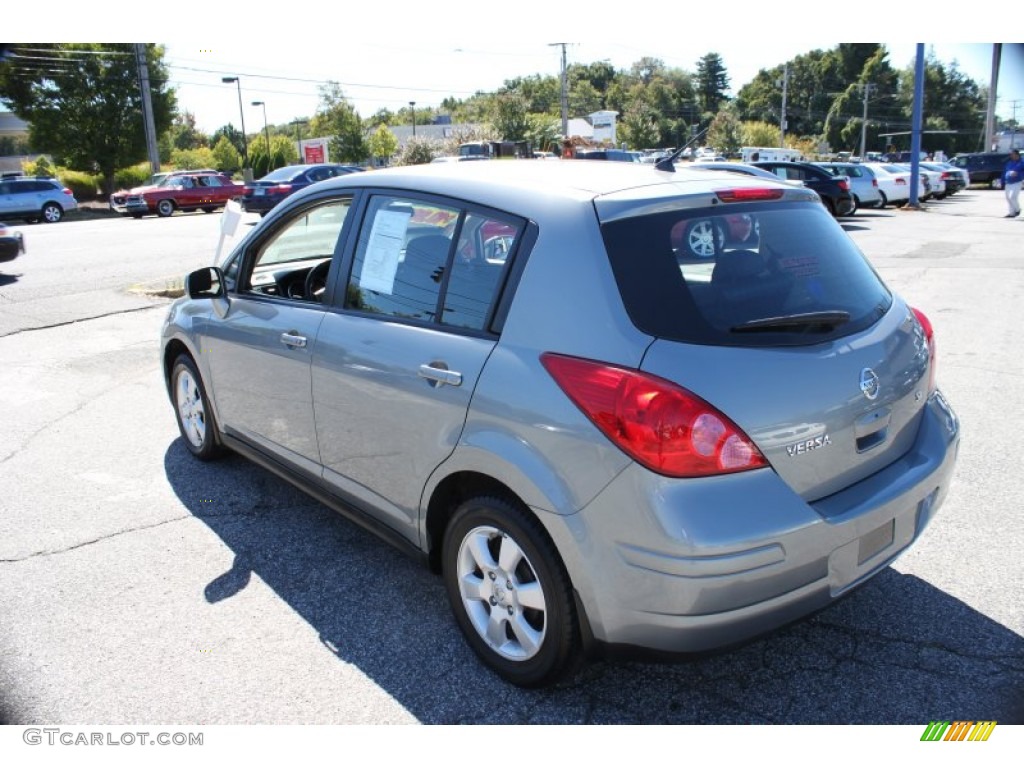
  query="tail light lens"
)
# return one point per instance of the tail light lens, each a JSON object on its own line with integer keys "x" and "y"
{"x": 844, "y": 185}
{"x": 874, "y": 183}
{"x": 662, "y": 426}
{"x": 929, "y": 336}
{"x": 282, "y": 189}
{"x": 247, "y": 191}
{"x": 67, "y": 191}
{"x": 901, "y": 181}
{"x": 746, "y": 194}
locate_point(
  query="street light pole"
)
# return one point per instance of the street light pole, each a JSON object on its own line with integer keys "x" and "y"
{"x": 298, "y": 137}
{"x": 412, "y": 106}
{"x": 246, "y": 170}
{"x": 266, "y": 131}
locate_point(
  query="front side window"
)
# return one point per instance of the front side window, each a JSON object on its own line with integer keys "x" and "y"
{"x": 294, "y": 262}
{"x": 411, "y": 253}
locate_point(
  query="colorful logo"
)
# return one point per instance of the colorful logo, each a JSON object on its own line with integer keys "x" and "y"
{"x": 960, "y": 730}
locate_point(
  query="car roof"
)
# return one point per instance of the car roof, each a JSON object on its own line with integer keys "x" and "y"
{"x": 530, "y": 187}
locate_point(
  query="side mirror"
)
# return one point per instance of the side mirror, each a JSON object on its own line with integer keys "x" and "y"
{"x": 205, "y": 283}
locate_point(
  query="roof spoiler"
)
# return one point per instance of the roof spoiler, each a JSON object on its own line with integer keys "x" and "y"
{"x": 669, "y": 163}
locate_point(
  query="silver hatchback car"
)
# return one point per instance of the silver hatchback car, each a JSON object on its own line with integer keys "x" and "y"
{"x": 613, "y": 406}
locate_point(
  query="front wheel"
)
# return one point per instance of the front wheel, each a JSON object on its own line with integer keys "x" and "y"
{"x": 164, "y": 208}
{"x": 52, "y": 213}
{"x": 510, "y": 593}
{"x": 191, "y": 407}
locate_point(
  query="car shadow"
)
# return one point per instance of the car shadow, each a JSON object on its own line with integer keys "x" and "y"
{"x": 6, "y": 279}
{"x": 847, "y": 227}
{"x": 896, "y": 651}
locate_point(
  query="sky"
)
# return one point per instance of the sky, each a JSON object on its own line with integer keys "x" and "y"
{"x": 388, "y": 55}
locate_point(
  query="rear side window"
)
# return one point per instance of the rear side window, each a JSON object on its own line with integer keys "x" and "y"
{"x": 431, "y": 263}
{"x": 755, "y": 275}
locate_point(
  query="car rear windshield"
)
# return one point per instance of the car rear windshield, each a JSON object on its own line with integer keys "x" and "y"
{"x": 757, "y": 275}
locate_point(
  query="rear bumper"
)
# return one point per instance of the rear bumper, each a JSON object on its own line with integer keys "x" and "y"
{"x": 259, "y": 204}
{"x": 693, "y": 565}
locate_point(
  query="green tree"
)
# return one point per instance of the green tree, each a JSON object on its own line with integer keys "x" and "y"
{"x": 225, "y": 157}
{"x": 383, "y": 144}
{"x": 337, "y": 118}
{"x": 83, "y": 102}
{"x": 712, "y": 82}
{"x": 193, "y": 158}
{"x": 757, "y": 133}
{"x": 725, "y": 132}
{"x": 640, "y": 127}
{"x": 510, "y": 117}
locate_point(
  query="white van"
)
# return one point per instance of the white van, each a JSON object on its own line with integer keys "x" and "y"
{"x": 764, "y": 154}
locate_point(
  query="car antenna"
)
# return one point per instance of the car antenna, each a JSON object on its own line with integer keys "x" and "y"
{"x": 669, "y": 163}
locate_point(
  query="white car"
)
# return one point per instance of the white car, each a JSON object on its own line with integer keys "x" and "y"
{"x": 893, "y": 184}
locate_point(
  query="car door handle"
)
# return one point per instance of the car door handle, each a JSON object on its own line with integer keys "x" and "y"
{"x": 439, "y": 373}
{"x": 293, "y": 340}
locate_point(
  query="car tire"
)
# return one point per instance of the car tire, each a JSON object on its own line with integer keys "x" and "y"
{"x": 51, "y": 213}
{"x": 510, "y": 593}
{"x": 883, "y": 200}
{"x": 209, "y": 210}
{"x": 703, "y": 238}
{"x": 830, "y": 205}
{"x": 192, "y": 410}
{"x": 135, "y": 215}
{"x": 164, "y": 208}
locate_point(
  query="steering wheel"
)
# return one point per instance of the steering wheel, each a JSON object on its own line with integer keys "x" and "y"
{"x": 316, "y": 281}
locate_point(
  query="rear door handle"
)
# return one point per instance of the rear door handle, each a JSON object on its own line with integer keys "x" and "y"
{"x": 439, "y": 373}
{"x": 293, "y": 340}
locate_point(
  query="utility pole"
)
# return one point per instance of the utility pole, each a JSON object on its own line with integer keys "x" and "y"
{"x": 866, "y": 87}
{"x": 147, "y": 108}
{"x": 990, "y": 113}
{"x": 782, "y": 117}
{"x": 565, "y": 92}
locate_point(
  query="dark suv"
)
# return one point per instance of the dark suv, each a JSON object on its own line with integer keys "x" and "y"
{"x": 35, "y": 198}
{"x": 834, "y": 191}
{"x": 983, "y": 167}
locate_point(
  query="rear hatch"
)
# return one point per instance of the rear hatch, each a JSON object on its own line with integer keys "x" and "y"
{"x": 769, "y": 312}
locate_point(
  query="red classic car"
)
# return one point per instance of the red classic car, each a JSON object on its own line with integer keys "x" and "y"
{"x": 180, "y": 191}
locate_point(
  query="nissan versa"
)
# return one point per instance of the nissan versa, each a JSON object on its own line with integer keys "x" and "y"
{"x": 613, "y": 406}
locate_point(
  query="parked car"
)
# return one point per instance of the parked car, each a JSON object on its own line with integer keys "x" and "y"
{"x": 744, "y": 168}
{"x": 893, "y": 184}
{"x": 833, "y": 190}
{"x": 924, "y": 189}
{"x": 35, "y": 198}
{"x": 952, "y": 181}
{"x": 959, "y": 173}
{"x": 262, "y": 195}
{"x": 619, "y": 155}
{"x": 863, "y": 183}
{"x": 12, "y": 243}
{"x": 983, "y": 167}
{"x": 935, "y": 185}
{"x": 178, "y": 191}
{"x": 523, "y": 373}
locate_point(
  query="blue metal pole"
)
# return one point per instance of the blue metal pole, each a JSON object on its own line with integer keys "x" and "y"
{"x": 915, "y": 129}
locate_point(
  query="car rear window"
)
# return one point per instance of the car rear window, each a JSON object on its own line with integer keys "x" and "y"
{"x": 758, "y": 275}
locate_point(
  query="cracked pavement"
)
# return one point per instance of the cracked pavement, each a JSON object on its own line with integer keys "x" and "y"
{"x": 140, "y": 586}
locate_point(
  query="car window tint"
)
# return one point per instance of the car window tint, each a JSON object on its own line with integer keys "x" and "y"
{"x": 484, "y": 246}
{"x": 401, "y": 257}
{"x": 696, "y": 277}
{"x": 307, "y": 241}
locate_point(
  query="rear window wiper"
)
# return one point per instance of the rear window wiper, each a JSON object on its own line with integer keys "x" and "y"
{"x": 807, "y": 322}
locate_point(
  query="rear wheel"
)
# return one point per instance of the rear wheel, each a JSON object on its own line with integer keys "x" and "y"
{"x": 52, "y": 213}
{"x": 165, "y": 208}
{"x": 882, "y": 200}
{"x": 510, "y": 593}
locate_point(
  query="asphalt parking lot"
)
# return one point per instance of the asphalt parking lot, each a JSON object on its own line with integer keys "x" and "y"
{"x": 140, "y": 586}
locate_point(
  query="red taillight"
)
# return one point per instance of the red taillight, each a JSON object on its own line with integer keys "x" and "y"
{"x": 844, "y": 185}
{"x": 67, "y": 191}
{"x": 929, "y": 336}
{"x": 874, "y": 183}
{"x": 281, "y": 189}
{"x": 247, "y": 191}
{"x": 745, "y": 194}
{"x": 659, "y": 424}
{"x": 901, "y": 181}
